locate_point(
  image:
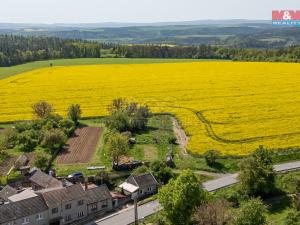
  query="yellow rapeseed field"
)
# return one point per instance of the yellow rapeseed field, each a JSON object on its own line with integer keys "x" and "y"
{"x": 232, "y": 107}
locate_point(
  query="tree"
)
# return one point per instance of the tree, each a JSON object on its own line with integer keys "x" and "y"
{"x": 296, "y": 197}
{"x": 10, "y": 136}
{"x": 180, "y": 198}
{"x": 161, "y": 171}
{"x": 41, "y": 162}
{"x": 119, "y": 121}
{"x": 252, "y": 212}
{"x": 126, "y": 116}
{"x": 211, "y": 156}
{"x": 67, "y": 126}
{"x": 54, "y": 139}
{"x": 117, "y": 146}
{"x": 74, "y": 113}
{"x": 27, "y": 140}
{"x": 257, "y": 177}
{"x": 118, "y": 104}
{"x": 139, "y": 118}
{"x": 215, "y": 212}
{"x": 292, "y": 218}
{"x": 140, "y": 170}
{"x": 42, "y": 109}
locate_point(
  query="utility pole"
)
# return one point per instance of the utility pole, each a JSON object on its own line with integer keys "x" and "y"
{"x": 135, "y": 198}
{"x": 136, "y": 217}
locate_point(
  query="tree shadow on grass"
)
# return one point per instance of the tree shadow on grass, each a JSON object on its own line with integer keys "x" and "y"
{"x": 218, "y": 166}
{"x": 279, "y": 203}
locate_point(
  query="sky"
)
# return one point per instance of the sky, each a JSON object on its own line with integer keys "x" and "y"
{"x": 97, "y": 11}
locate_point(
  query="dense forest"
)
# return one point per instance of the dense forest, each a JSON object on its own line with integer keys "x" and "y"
{"x": 288, "y": 54}
{"x": 16, "y": 50}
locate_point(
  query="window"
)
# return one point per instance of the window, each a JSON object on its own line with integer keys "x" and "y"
{"x": 94, "y": 207}
{"x": 10, "y": 223}
{"x": 104, "y": 204}
{"x": 54, "y": 210}
{"x": 80, "y": 202}
{"x": 68, "y": 218}
{"x": 141, "y": 191}
{"x": 25, "y": 220}
{"x": 80, "y": 214}
{"x": 149, "y": 188}
{"x": 68, "y": 206}
{"x": 39, "y": 216}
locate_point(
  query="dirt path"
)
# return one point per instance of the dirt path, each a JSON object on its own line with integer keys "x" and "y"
{"x": 181, "y": 136}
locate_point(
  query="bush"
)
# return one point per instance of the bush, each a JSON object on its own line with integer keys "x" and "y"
{"x": 27, "y": 140}
{"x": 67, "y": 126}
{"x": 161, "y": 171}
{"x": 140, "y": 170}
{"x": 211, "y": 156}
{"x": 126, "y": 116}
{"x": 292, "y": 218}
{"x": 74, "y": 113}
{"x": 252, "y": 212}
{"x": 257, "y": 176}
{"x": 54, "y": 139}
{"x": 41, "y": 162}
{"x": 42, "y": 109}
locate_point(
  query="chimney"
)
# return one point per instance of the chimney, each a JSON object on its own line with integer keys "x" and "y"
{"x": 64, "y": 182}
{"x": 85, "y": 183}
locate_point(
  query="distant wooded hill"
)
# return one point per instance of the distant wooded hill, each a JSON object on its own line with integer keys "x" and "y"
{"x": 16, "y": 50}
{"x": 231, "y": 33}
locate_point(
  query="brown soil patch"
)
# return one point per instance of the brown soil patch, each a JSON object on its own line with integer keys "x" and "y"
{"x": 81, "y": 146}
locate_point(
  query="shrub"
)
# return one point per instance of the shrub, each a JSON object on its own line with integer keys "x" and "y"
{"x": 211, "y": 156}
{"x": 42, "y": 109}
{"x": 252, "y": 212}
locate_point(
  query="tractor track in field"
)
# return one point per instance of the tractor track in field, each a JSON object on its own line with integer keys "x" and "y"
{"x": 211, "y": 133}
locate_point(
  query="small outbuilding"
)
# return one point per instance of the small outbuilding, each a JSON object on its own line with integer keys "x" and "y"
{"x": 144, "y": 184}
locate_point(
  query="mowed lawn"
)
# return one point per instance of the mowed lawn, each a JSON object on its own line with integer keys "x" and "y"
{"x": 232, "y": 107}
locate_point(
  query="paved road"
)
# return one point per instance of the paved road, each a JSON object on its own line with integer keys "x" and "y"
{"x": 231, "y": 179}
{"x": 126, "y": 216}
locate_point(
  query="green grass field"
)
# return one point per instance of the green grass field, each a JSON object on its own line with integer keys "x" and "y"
{"x": 10, "y": 71}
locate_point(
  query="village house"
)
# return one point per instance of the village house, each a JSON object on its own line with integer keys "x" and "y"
{"x": 65, "y": 204}
{"x": 6, "y": 192}
{"x": 40, "y": 180}
{"x": 144, "y": 185}
{"x": 99, "y": 200}
{"x": 31, "y": 211}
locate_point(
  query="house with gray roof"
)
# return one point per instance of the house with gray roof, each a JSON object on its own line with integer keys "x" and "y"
{"x": 65, "y": 204}
{"x": 6, "y": 192}
{"x": 144, "y": 184}
{"x": 31, "y": 211}
{"x": 40, "y": 180}
{"x": 99, "y": 200}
